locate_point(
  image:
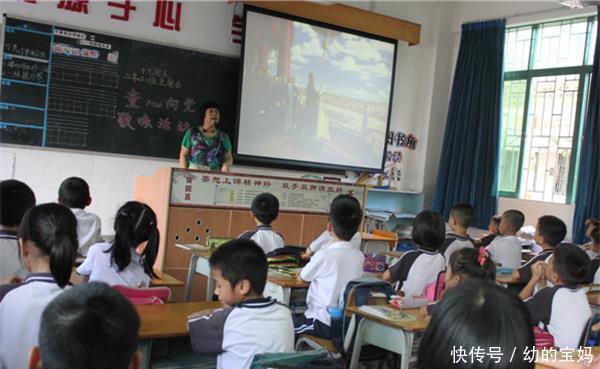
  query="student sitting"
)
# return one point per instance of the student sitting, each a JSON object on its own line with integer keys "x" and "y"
{"x": 506, "y": 249}
{"x": 493, "y": 232}
{"x": 119, "y": 263}
{"x": 332, "y": 268}
{"x": 265, "y": 208}
{"x": 464, "y": 265}
{"x": 477, "y": 314}
{"x": 549, "y": 233}
{"x": 90, "y": 326}
{"x": 15, "y": 199}
{"x": 562, "y": 310}
{"x": 461, "y": 218}
{"x": 74, "y": 193}
{"x": 48, "y": 247}
{"x": 416, "y": 269}
{"x": 250, "y": 324}
{"x": 593, "y": 275}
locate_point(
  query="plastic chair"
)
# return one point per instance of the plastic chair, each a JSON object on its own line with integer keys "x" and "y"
{"x": 145, "y": 296}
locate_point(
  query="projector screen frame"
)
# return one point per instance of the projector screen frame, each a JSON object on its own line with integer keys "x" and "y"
{"x": 300, "y": 164}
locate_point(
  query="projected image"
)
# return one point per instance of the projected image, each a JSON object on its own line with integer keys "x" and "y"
{"x": 313, "y": 94}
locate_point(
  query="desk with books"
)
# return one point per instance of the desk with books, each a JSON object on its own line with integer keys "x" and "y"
{"x": 395, "y": 336}
{"x": 165, "y": 320}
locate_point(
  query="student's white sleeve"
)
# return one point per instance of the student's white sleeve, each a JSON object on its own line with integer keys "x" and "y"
{"x": 86, "y": 267}
{"x": 597, "y": 277}
{"x": 320, "y": 241}
{"x": 311, "y": 269}
{"x": 356, "y": 240}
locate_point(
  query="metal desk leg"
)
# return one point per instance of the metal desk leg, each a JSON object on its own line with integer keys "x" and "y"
{"x": 145, "y": 347}
{"x": 210, "y": 286}
{"x": 190, "y": 278}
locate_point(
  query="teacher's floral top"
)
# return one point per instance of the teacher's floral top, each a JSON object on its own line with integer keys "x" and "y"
{"x": 206, "y": 151}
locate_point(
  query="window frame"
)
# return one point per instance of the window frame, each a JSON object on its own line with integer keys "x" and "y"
{"x": 584, "y": 71}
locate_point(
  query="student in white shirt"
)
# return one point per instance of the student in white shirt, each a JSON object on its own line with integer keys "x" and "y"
{"x": 74, "y": 193}
{"x": 332, "y": 268}
{"x": 15, "y": 199}
{"x": 461, "y": 218}
{"x": 562, "y": 310}
{"x": 48, "y": 246}
{"x": 265, "y": 209}
{"x": 250, "y": 324}
{"x": 121, "y": 262}
{"x": 325, "y": 239}
{"x": 109, "y": 339}
{"x": 506, "y": 249}
{"x": 416, "y": 269}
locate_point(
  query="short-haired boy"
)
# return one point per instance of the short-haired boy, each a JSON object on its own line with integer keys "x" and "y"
{"x": 562, "y": 310}
{"x": 15, "y": 199}
{"x": 89, "y": 326}
{"x": 549, "y": 233}
{"x": 330, "y": 269}
{"x": 250, "y": 324}
{"x": 461, "y": 218}
{"x": 493, "y": 231}
{"x": 506, "y": 248}
{"x": 74, "y": 193}
{"x": 265, "y": 209}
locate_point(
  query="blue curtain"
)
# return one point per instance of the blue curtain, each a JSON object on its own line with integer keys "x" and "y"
{"x": 587, "y": 199}
{"x": 470, "y": 152}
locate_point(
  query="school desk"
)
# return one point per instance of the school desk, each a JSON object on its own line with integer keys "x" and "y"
{"x": 379, "y": 236}
{"x": 594, "y": 300}
{"x": 165, "y": 320}
{"x": 392, "y": 336}
{"x": 280, "y": 286}
{"x": 198, "y": 264}
{"x": 164, "y": 280}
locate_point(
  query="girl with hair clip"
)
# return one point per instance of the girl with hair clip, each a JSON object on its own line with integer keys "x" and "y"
{"x": 119, "y": 263}
{"x": 48, "y": 247}
{"x": 478, "y": 315}
{"x": 465, "y": 264}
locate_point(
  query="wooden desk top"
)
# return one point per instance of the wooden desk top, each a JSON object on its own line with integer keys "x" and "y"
{"x": 594, "y": 298}
{"x": 376, "y": 237}
{"x": 287, "y": 282}
{"x": 169, "y": 320}
{"x": 165, "y": 280}
{"x": 414, "y": 326}
{"x": 393, "y": 254}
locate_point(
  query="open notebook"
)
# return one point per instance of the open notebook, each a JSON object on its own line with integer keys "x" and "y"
{"x": 388, "y": 313}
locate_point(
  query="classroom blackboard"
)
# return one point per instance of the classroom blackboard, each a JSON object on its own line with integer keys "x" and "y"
{"x": 74, "y": 89}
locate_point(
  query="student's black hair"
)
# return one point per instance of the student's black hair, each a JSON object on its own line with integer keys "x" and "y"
{"x": 464, "y": 214}
{"x": 496, "y": 220}
{"x": 429, "y": 230}
{"x": 571, "y": 264}
{"x": 552, "y": 229}
{"x": 135, "y": 223}
{"x": 345, "y": 216}
{"x": 515, "y": 218}
{"x": 74, "y": 192}
{"x": 15, "y": 199}
{"x": 52, "y": 229}
{"x": 472, "y": 263}
{"x": 207, "y": 105}
{"x": 241, "y": 259}
{"x": 477, "y": 314}
{"x": 89, "y": 326}
{"x": 265, "y": 208}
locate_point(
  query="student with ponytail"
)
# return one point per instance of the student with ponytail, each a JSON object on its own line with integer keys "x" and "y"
{"x": 48, "y": 247}
{"x": 129, "y": 259}
{"x": 463, "y": 265}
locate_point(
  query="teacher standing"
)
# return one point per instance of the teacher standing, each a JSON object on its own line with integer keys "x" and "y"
{"x": 206, "y": 147}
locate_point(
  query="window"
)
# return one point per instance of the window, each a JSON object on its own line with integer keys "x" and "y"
{"x": 547, "y": 71}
